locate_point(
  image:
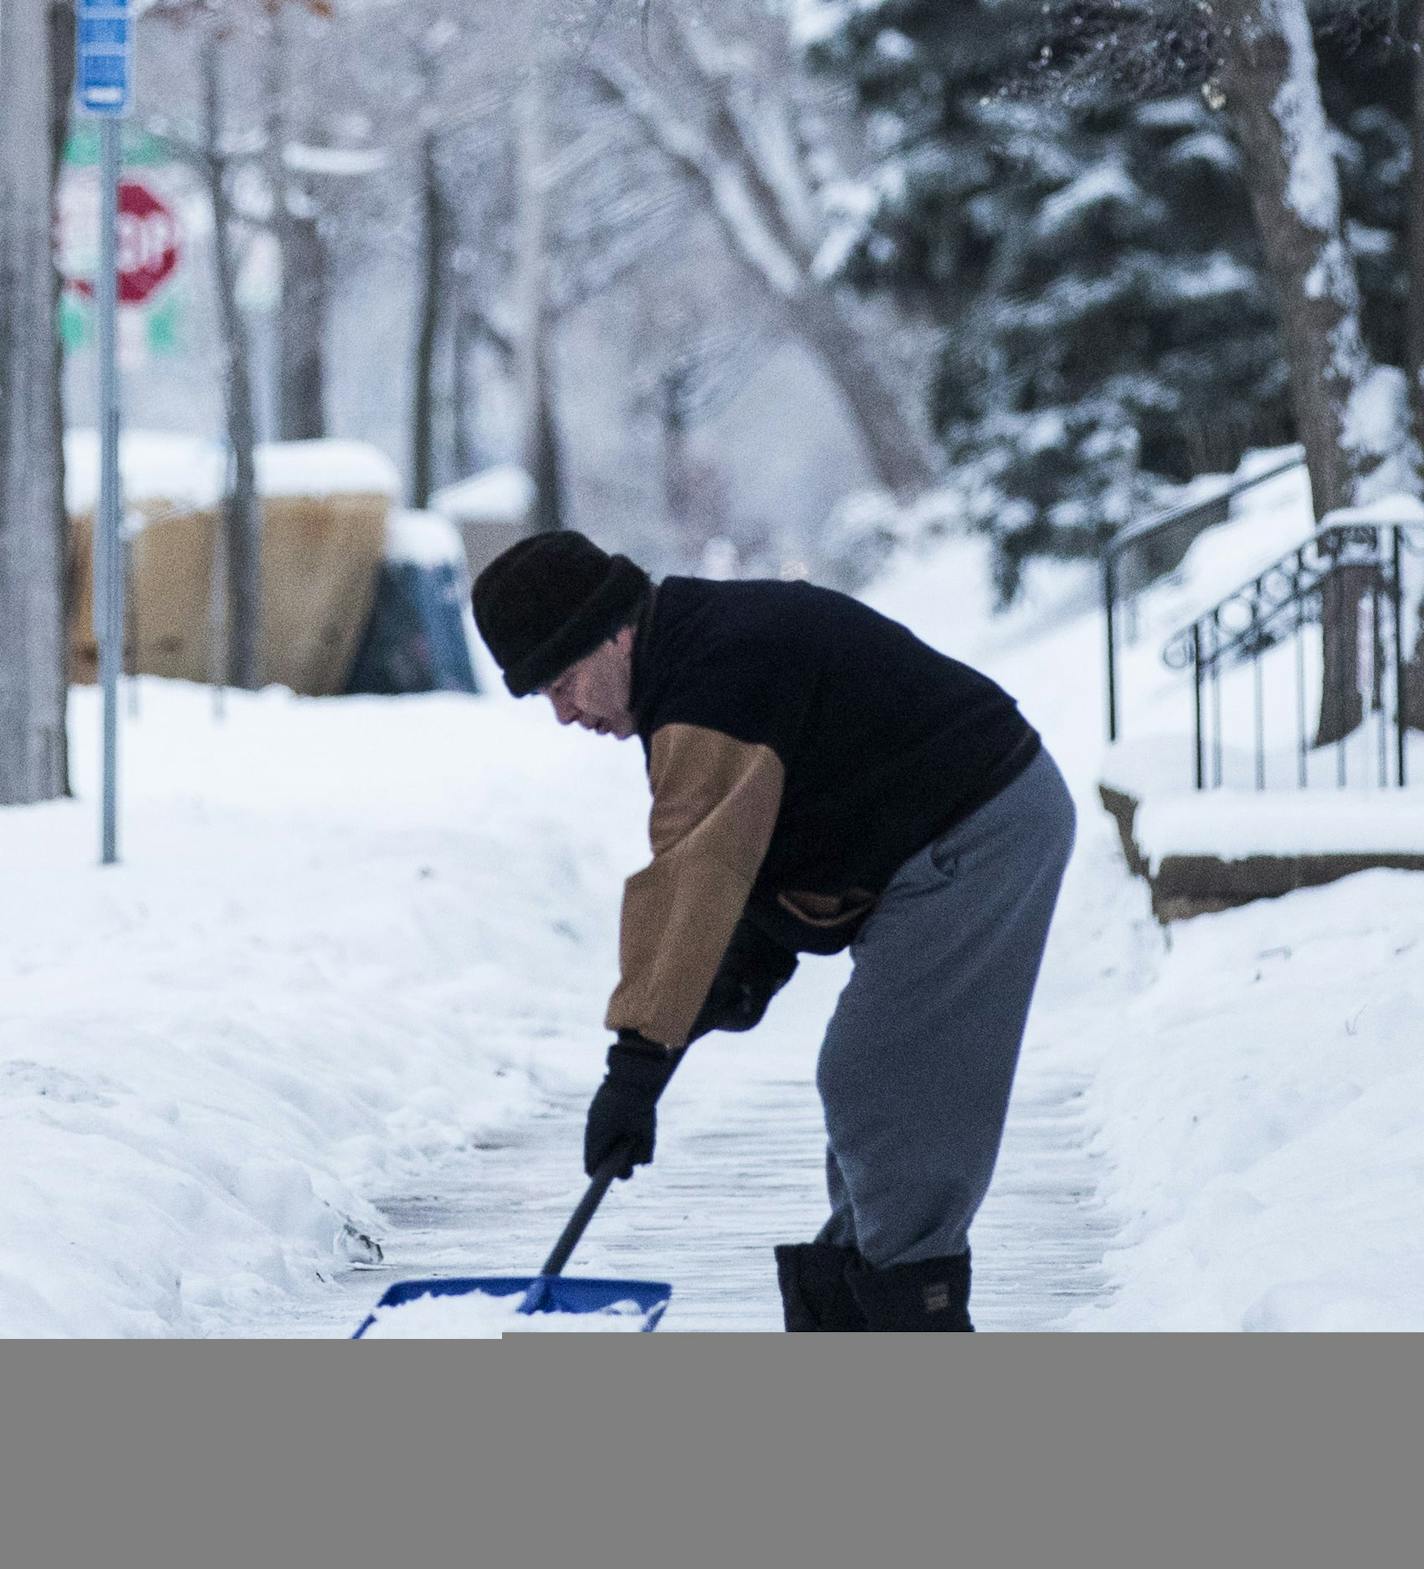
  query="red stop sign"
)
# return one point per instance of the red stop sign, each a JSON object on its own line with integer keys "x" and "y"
{"x": 146, "y": 235}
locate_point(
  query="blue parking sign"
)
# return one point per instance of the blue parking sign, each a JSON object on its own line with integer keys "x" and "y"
{"x": 103, "y": 79}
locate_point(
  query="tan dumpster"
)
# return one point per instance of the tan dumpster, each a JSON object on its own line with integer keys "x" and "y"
{"x": 324, "y": 510}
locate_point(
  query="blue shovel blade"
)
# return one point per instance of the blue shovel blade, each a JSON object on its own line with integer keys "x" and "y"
{"x": 541, "y": 1294}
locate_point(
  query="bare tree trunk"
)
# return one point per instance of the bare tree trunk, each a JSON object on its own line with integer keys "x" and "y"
{"x": 542, "y": 456}
{"x": 1273, "y": 97}
{"x": 1413, "y": 695}
{"x": 1414, "y": 346}
{"x": 301, "y": 328}
{"x": 465, "y": 399}
{"x": 897, "y": 452}
{"x": 32, "y": 693}
{"x": 241, "y": 512}
{"x": 301, "y": 309}
{"x": 433, "y": 243}
{"x": 543, "y": 452}
{"x": 673, "y": 421}
{"x": 61, "y": 37}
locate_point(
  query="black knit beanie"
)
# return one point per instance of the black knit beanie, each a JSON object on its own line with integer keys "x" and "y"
{"x": 546, "y": 602}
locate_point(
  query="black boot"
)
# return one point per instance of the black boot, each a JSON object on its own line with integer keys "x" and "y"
{"x": 929, "y": 1296}
{"x": 814, "y": 1293}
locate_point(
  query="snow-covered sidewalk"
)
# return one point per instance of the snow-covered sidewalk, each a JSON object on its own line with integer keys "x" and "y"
{"x": 739, "y": 1169}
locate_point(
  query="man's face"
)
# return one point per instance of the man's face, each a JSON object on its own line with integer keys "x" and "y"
{"x": 595, "y": 692}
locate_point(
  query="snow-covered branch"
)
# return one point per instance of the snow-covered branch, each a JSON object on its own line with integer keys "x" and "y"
{"x": 334, "y": 162}
{"x": 755, "y": 126}
{"x": 722, "y": 182}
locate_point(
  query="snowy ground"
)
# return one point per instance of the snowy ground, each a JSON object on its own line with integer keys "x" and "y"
{"x": 346, "y": 987}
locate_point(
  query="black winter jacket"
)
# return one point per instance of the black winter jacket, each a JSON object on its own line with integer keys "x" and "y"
{"x": 801, "y": 747}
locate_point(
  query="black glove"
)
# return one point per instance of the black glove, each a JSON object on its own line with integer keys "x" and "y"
{"x": 623, "y": 1110}
{"x": 753, "y": 969}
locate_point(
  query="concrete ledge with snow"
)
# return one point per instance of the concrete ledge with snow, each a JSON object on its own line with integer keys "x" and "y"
{"x": 1206, "y": 850}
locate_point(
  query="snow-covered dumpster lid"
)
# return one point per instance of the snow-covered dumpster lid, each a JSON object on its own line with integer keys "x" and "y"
{"x": 155, "y": 466}
{"x": 327, "y": 467}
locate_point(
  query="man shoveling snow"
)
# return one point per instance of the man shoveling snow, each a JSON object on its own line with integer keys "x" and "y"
{"x": 821, "y": 779}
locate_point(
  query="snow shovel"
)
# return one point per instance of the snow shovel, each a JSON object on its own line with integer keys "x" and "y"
{"x": 550, "y": 1291}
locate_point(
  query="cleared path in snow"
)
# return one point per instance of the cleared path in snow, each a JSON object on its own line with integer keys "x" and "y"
{"x": 739, "y": 1161}
{"x": 739, "y": 1170}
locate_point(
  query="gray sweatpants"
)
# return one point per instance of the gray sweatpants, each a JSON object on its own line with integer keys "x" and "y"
{"x": 919, "y": 1056}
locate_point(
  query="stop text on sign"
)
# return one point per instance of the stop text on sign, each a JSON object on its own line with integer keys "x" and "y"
{"x": 147, "y": 245}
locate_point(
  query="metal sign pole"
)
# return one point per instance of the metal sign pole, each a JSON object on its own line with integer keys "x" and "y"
{"x": 102, "y": 84}
{"x": 108, "y": 553}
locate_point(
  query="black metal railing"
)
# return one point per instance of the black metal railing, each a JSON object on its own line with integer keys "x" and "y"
{"x": 1351, "y": 572}
{"x": 1166, "y": 534}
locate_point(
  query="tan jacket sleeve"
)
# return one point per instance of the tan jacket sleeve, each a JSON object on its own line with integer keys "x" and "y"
{"x": 715, "y": 803}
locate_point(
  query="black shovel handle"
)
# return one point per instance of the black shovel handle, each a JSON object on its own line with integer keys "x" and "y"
{"x": 602, "y": 1180}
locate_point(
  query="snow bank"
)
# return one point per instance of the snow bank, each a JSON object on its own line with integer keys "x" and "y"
{"x": 1259, "y": 1108}
{"x": 314, "y": 978}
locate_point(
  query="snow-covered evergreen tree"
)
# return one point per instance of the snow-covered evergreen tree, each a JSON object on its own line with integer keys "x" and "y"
{"x": 1128, "y": 335}
{"x": 1061, "y": 190}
